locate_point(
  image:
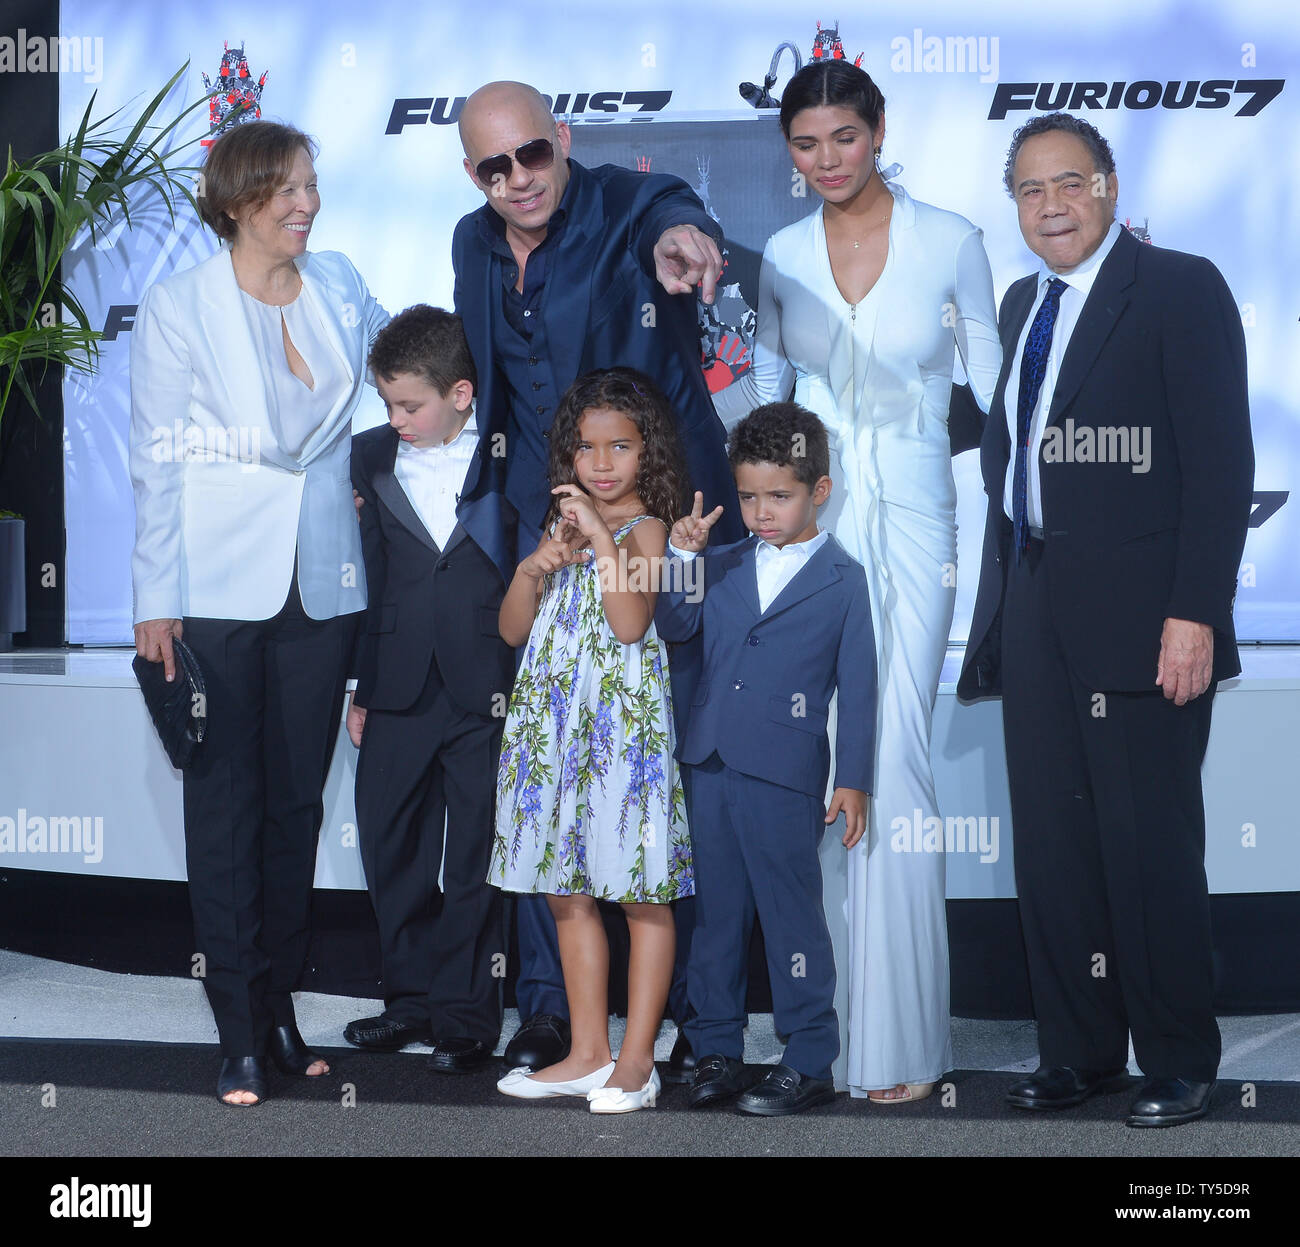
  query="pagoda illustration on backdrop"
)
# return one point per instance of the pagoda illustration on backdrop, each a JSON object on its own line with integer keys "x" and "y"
{"x": 728, "y": 327}
{"x": 235, "y": 98}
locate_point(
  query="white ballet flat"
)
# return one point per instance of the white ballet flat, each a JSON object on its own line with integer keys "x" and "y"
{"x": 616, "y": 1100}
{"x": 519, "y": 1082}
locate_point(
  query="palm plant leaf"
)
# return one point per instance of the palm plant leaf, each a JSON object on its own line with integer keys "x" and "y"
{"x": 88, "y": 183}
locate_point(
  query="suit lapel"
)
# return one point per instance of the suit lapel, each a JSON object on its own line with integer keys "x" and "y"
{"x": 1106, "y": 300}
{"x": 225, "y": 326}
{"x": 458, "y": 534}
{"x": 814, "y": 576}
{"x": 389, "y": 488}
{"x": 742, "y": 568}
{"x": 996, "y": 445}
{"x": 566, "y": 302}
{"x": 331, "y": 310}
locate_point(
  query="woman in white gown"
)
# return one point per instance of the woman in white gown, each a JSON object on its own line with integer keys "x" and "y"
{"x": 861, "y": 305}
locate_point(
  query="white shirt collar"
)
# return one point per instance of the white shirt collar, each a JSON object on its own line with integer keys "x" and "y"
{"x": 1081, "y": 277}
{"x": 470, "y": 427}
{"x": 800, "y": 549}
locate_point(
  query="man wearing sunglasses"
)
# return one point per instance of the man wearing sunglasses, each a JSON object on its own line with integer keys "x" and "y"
{"x": 563, "y": 270}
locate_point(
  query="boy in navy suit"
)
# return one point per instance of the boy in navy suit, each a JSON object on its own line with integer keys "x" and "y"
{"x": 787, "y": 623}
{"x": 433, "y": 679}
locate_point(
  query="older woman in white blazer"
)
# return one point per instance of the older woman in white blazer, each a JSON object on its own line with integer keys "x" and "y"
{"x": 863, "y": 306}
{"x": 245, "y": 374}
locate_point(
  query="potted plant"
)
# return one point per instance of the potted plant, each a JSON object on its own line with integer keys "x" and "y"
{"x": 46, "y": 201}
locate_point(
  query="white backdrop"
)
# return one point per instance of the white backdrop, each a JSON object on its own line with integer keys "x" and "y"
{"x": 1209, "y": 178}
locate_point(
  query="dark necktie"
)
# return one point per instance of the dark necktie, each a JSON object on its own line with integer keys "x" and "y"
{"x": 1033, "y": 365}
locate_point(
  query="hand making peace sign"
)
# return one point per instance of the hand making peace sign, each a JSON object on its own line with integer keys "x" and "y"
{"x": 691, "y": 532}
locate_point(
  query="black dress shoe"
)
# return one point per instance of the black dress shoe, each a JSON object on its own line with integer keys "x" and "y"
{"x": 289, "y": 1052}
{"x": 459, "y": 1056}
{"x": 1170, "y": 1102}
{"x": 1059, "y": 1086}
{"x": 542, "y": 1040}
{"x": 719, "y": 1078}
{"x": 784, "y": 1091}
{"x": 242, "y": 1073}
{"x": 681, "y": 1064}
{"x": 383, "y": 1034}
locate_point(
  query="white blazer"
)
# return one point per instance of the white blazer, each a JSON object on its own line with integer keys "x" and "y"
{"x": 220, "y": 506}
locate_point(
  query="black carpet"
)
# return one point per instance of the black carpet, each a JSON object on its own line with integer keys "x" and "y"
{"x": 112, "y": 1098}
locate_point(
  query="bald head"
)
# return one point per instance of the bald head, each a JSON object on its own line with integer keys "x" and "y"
{"x": 497, "y": 101}
{"x": 498, "y": 120}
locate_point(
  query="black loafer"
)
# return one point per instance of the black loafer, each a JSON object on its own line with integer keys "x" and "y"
{"x": 718, "y": 1079}
{"x": 242, "y": 1073}
{"x": 289, "y": 1053}
{"x": 784, "y": 1091}
{"x": 681, "y": 1064}
{"x": 1170, "y": 1102}
{"x": 459, "y": 1056}
{"x": 1058, "y": 1086}
{"x": 542, "y": 1040}
{"x": 383, "y": 1034}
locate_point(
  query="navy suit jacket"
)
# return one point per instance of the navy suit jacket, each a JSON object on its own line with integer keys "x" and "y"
{"x": 768, "y": 678}
{"x": 601, "y": 307}
{"x": 1158, "y": 346}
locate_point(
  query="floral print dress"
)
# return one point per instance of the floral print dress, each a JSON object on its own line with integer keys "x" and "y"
{"x": 589, "y": 799}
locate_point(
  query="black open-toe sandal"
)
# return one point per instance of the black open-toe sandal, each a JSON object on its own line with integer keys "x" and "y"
{"x": 242, "y": 1073}
{"x": 290, "y": 1054}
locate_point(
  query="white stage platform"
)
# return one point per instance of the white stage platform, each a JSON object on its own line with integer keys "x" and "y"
{"x": 86, "y": 788}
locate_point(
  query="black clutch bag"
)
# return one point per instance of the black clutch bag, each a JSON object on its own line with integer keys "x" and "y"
{"x": 180, "y": 709}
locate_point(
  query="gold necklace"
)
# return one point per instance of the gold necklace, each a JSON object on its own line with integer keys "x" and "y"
{"x": 883, "y": 219}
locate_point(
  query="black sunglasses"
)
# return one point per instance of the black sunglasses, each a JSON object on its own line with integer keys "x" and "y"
{"x": 535, "y": 155}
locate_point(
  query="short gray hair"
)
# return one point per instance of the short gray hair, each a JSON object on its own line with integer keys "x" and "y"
{"x": 1103, "y": 159}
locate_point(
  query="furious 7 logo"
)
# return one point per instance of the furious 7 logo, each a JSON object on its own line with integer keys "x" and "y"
{"x": 444, "y": 110}
{"x": 1071, "y": 96}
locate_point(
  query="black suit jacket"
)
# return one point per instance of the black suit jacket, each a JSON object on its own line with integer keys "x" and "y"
{"x": 602, "y": 307}
{"x": 1158, "y": 346}
{"x": 426, "y": 606}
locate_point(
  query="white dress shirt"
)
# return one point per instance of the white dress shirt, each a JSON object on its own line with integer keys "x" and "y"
{"x": 1078, "y": 284}
{"x": 433, "y": 477}
{"x": 775, "y": 566}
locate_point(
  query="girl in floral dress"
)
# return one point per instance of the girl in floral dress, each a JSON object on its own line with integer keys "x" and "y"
{"x": 589, "y": 802}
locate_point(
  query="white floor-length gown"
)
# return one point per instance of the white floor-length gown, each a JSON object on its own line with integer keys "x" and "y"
{"x": 879, "y": 373}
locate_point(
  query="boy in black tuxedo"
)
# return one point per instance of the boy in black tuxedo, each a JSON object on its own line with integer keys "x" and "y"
{"x": 786, "y": 621}
{"x": 433, "y": 679}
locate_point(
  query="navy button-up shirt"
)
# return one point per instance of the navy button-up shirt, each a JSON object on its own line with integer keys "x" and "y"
{"x": 519, "y": 332}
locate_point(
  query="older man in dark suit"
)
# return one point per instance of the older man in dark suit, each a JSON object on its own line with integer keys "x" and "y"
{"x": 1118, "y": 462}
{"x": 563, "y": 270}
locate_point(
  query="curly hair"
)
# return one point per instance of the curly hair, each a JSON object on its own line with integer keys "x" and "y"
{"x": 1103, "y": 159}
{"x": 784, "y": 434}
{"x": 661, "y": 479}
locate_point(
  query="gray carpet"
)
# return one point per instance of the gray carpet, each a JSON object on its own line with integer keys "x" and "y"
{"x": 114, "y": 1098}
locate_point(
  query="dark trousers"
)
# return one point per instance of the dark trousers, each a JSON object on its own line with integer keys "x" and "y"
{"x": 755, "y": 849}
{"x": 443, "y": 948}
{"x": 253, "y": 807}
{"x": 1109, "y": 853}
